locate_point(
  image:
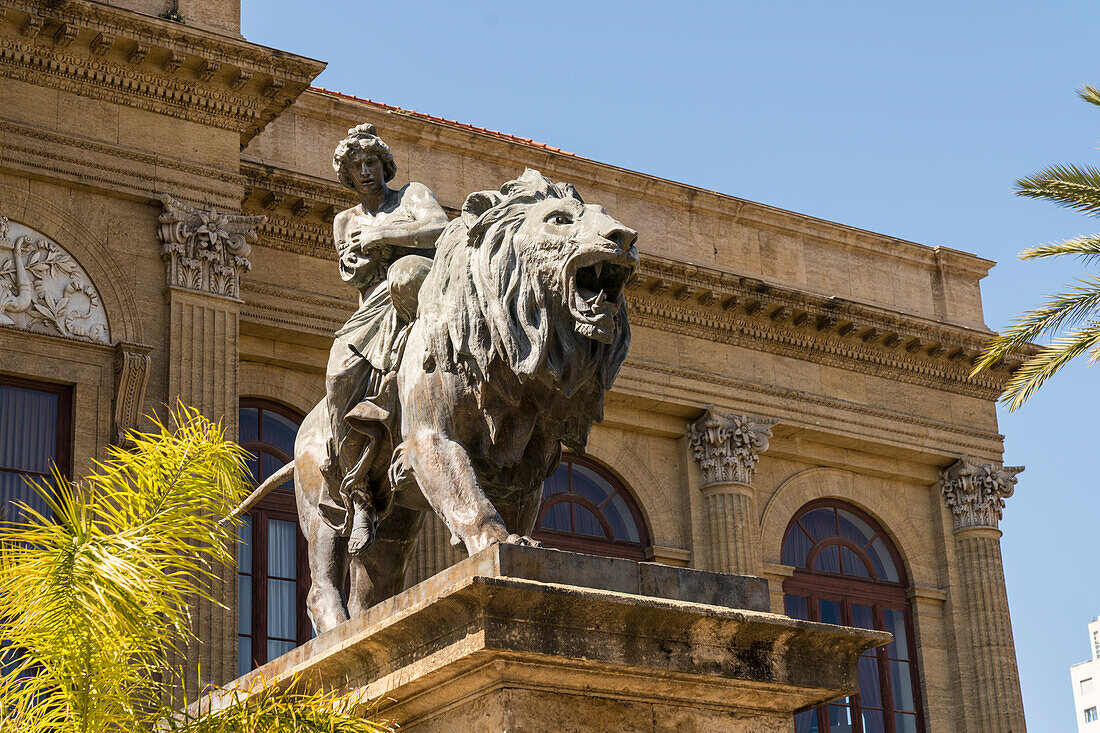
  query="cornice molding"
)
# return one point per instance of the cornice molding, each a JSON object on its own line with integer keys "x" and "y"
{"x": 127, "y": 58}
{"x": 706, "y": 303}
{"x": 137, "y": 173}
{"x": 913, "y": 428}
{"x": 721, "y": 306}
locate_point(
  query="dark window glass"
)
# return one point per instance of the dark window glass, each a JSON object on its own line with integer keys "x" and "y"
{"x": 848, "y": 572}
{"x": 272, "y": 567}
{"x": 35, "y": 435}
{"x": 586, "y": 509}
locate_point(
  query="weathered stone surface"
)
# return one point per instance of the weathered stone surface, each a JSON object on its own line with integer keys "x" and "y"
{"x": 499, "y": 642}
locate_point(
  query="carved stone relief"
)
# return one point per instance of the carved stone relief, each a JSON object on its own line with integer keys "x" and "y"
{"x": 131, "y": 377}
{"x": 727, "y": 447}
{"x": 975, "y": 492}
{"x": 43, "y": 289}
{"x": 206, "y": 249}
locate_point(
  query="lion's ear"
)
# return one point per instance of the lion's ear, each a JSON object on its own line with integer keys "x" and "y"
{"x": 477, "y": 204}
{"x": 567, "y": 191}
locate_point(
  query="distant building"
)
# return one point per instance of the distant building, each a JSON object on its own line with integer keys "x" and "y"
{"x": 1086, "y": 690}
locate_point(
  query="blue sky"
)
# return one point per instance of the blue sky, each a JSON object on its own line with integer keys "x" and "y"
{"x": 908, "y": 119}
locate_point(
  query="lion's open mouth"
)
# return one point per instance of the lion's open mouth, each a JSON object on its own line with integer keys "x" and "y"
{"x": 594, "y": 289}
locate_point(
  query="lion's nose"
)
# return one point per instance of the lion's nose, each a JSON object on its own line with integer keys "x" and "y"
{"x": 623, "y": 237}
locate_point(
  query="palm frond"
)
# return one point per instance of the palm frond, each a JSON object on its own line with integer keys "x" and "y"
{"x": 98, "y": 592}
{"x": 1085, "y": 247}
{"x": 1073, "y": 187}
{"x": 1038, "y": 369}
{"x": 264, "y": 707}
{"x": 1090, "y": 94}
{"x": 1060, "y": 311}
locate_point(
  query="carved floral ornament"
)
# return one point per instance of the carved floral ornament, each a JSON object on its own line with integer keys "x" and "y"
{"x": 975, "y": 492}
{"x": 727, "y": 447}
{"x": 43, "y": 289}
{"x": 206, "y": 249}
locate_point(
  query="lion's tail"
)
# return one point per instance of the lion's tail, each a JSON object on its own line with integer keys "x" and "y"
{"x": 275, "y": 479}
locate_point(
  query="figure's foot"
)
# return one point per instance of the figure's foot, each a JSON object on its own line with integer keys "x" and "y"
{"x": 364, "y": 524}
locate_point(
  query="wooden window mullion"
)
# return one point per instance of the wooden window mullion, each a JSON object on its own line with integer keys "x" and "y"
{"x": 259, "y": 575}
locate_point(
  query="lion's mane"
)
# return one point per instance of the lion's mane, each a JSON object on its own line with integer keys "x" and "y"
{"x": 491, "y": 314}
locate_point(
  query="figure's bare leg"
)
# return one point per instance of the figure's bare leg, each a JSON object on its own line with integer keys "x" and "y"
{"x": 380, "y": 573}
{"x": 327, "y": 567}
{"x": 447, "y": 478}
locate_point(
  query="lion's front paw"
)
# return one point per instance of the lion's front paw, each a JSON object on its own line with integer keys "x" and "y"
{"x": 525, "y": 541}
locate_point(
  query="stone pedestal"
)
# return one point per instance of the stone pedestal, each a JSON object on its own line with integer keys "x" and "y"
{"x": 526, "y": 639}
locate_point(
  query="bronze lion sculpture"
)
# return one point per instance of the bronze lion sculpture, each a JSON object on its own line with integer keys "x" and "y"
{"x": 521, "y": 327}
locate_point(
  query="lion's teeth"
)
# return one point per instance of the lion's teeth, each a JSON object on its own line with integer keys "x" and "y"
{"x": 599, "y": 300}
{"x": 598, "y": 267}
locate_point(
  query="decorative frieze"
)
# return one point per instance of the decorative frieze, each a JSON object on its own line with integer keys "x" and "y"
{"x": 205, "y": 249}
{"x": 43, "y": 289}
{"x": 727, "y": 447}
{"x": 975, "y": 492}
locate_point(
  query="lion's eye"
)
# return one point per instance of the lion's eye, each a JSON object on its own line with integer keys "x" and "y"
{"x": 559, "y": 219}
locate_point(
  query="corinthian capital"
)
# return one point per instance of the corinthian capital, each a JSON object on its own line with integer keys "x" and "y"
{"x": 975, "y": 492}
{"x": 206, "y": 249}
{"x": 727, "y": 447}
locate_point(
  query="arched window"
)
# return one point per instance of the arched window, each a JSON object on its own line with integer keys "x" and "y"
{"x": 272, "y": 565}
{"x": 586, "y": 509}
{"x": 847, "y": 571}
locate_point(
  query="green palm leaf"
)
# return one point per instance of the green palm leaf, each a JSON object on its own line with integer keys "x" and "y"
{"x": 1073, "y": 187}
{"x": 98, "y": 593}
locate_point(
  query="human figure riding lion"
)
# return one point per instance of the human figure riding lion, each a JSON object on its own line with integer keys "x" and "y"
{"x": 479, "y": 347}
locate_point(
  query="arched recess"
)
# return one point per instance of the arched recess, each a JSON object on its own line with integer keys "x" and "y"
{"x": 292, "y": 388}
{"x": 865, "y": 492}
{"x": 653, "y": 501}
{"x": 110, "y": 279}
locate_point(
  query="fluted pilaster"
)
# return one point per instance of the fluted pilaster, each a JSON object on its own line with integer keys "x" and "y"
{"x": 727, "y": 448}
{"x": 205, "y": 253}
{"x": 974, "y": 493}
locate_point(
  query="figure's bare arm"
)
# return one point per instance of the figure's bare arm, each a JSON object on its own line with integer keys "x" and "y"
{"x": 427, "y": 222}
{"x": 357, "y": 265}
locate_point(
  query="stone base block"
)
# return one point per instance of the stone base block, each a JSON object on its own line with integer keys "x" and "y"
{"x": 526, "y": 639}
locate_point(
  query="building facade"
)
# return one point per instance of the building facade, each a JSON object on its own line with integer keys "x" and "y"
{"x": 796, "y": 403}
{"x": 1086, "y": 694}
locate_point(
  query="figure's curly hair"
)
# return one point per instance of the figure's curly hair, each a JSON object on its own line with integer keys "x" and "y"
{"x": 362, "y": 138}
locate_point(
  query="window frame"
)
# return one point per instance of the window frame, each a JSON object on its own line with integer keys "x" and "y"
{"x": 587, "y": 544}
{"x": 64, "y": 392}
{"x": 63, "y": 442}
{"x": 279, "y": 505}
{"x": 880, "y": 594}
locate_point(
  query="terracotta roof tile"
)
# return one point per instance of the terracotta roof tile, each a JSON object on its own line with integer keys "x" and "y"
{"x": 452, "y": 123}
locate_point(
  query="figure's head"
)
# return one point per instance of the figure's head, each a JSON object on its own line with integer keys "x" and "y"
{"x": 362, "y": 160}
